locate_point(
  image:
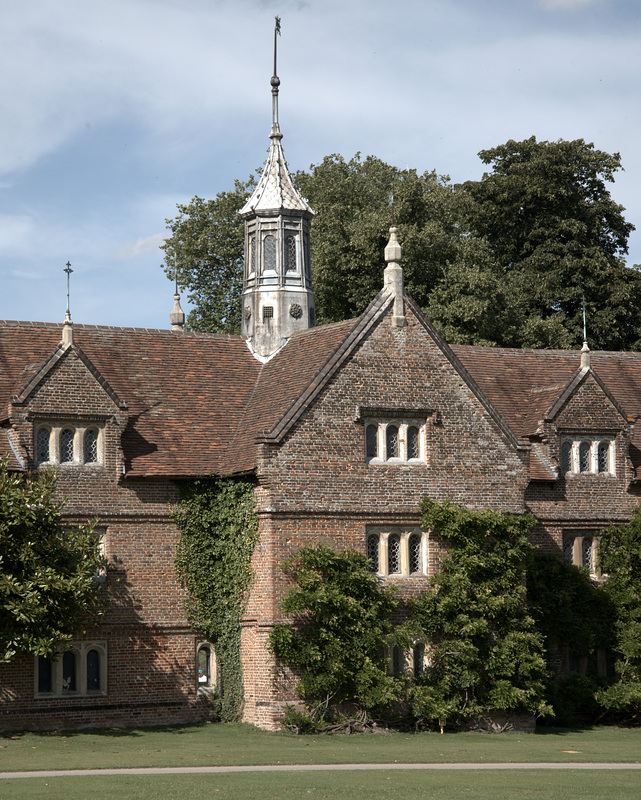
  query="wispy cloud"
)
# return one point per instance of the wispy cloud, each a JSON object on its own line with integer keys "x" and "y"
{"x": 568, "y": 5}
{"x": 146, "y": 244}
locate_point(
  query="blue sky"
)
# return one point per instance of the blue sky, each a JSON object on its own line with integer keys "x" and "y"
{"x": 113, "y": 111}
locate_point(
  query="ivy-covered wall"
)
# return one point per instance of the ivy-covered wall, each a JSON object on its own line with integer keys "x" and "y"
{"x": 218, "y": 532}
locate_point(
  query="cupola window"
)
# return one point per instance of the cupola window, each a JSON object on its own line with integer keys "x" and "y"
{"x": 290, "y": 253}
{"x": 269, "y": 251}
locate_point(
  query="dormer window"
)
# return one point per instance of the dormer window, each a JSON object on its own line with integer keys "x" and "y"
{"x": 587, "y": 455}
{"x": 68, "y": 444}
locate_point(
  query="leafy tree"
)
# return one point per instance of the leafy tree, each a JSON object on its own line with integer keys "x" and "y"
{"x": 340, "y": 622}
{"x": 205, "y": 253}
{"x": 620, "y": 558}
{"x": 570, "y": 610}
{"x": 557, "y": 234}
{"x": 485, "y": 654}
{"x": 218, "y": 532}
{"x": 48, "y": 587}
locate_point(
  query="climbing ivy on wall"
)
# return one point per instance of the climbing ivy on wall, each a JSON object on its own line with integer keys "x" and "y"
{"x": 218, "y": 532}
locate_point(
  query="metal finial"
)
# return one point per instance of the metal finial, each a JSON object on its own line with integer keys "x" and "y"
{"x": 584, "y": 306}
{"x": 68, "y": 270}
{"x": 275, "y": 82}
{"x": 391, "y": 203}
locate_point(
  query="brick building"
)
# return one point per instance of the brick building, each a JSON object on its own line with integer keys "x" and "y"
{"x": 346, "y": 427}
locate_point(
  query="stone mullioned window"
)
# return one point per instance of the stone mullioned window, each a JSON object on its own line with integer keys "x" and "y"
{"x": 397, "y": 551}
{"x": 63, "y": 443}
{"x": 79, "y": 670}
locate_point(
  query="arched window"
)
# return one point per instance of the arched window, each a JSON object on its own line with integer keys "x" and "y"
{"x": 371, "y": 442}
{"x": 584, "y": 457}
{"x": 566, "y": 457}
{"x": 66, "y": 445}
{"x": 43, "y": 438}
{"x": 415, "y": 553}
{"x": 269, "y": 253}
{"x": 418, "y": 657}
{"x": 372, "y": 550}
{"x": 290, "y": 253}
{"x": 394, "y": 554}
{"x": 44, "y": 674}
{"x": 413, "y": 448}
{"x": 398, "y": 660}
{"x": 252, "y": 255}
{"x": 391, "y": 441}
{"x": 206, "y": 665}
{"x": 91, "y": 446}
{"x": 69, "y": 671}
{"x": 604, "y": 457}
{"x": 93, "y": 671}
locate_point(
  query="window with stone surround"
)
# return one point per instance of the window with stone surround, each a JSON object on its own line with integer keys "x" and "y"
{"x": 77, "y": 671}
{"x": 66, "y": 444}
{"x": 587, "y": 455}
{"x": 397, "y": 551}
{"x": 581, "y": 548}
{"x": 206, "y": 665}
{"x": 394, "y": 441}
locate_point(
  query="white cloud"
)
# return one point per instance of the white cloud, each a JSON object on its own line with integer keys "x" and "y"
{"x": 146, "y": 244}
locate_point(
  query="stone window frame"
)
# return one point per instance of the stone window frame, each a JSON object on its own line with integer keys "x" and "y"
{"x": 210, "y": 680}
{"x": 377, "y": 548}
{"x": 406, "y": 663}
{"x": 572, "y": 447}
{"x": 80, "y": 651}
{"x": 56, "y": 430}
{"x": 581, "y": 548}
{"x": 382, "y": 429}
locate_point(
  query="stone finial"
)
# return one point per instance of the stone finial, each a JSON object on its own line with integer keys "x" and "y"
{"x": 67, "y": 331}
{"x": 585, "y": 356}
{"x": 393, "y": 278}
{"x": 177, "y": 316}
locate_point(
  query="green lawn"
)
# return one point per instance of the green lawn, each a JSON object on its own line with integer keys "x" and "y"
{"x": 384, "y": 785}
{"x": 210, "y": 745}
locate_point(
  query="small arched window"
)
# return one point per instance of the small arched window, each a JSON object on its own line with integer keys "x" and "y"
{"x": 290, "y": 253}
{"x": 372, "y": 551}
{"x": 371, "y": 442}
{"x": 413, "y": 448}
{"x": 391, "y": 442}
{"x": 566, "y": 457}
{"x": 418, "y": 657}
{"x": 269, "y": 253}
{"x": 91, "y": 446}
{"x": 93, "y": 671}
{"x": 69, "y": 671}
{"x": 584, "y": 457}
{"x": 604, "y": 457}
{"x": 43, "y": 439}
{"x": 44, "y": 674}
{"x": 66, "y": 445}
{"x": 398, "y": 660}
{"x": 204, "y": 665}
{"x": 394, "y": 554}
{"x": 415, "y": 553}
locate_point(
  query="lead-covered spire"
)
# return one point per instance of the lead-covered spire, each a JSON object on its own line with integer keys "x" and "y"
{"x": 277, "y": 293}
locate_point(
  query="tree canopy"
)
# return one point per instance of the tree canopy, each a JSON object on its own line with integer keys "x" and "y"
{"x": 504, "y": 260}
{"x": 48, "y": 573}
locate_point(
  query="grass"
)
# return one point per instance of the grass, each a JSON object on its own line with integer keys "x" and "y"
{"x": 216, "y": 745}
{"x": 383, "y": 785}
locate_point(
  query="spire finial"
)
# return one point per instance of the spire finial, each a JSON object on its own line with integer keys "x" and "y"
{"x": 177, "y": 316}
{"x": 275, "y": 82}
{"x": 585, "y": 350}
{"x": 67, "y": 328}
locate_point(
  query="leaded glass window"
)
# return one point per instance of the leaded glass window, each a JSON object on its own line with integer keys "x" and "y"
{"x": 43, "y": 438}
{"x": 415, "y": 553}
{"x": 604, "y": 457}
{"x": 394, "y": 554}
{"x": 252, "y": 255}
{"x": 398, "y": 660}
{"x": 91, "y": 446}
{"x": 93, "y": 671}
{"x": 391, "y": 441}
{"x": 372, "y": 551}
{"x": 413, "y": 449}
{"x": 290, "y": 253}
{"x": 418, "y": 657}
{"x": 269, "y": 253}
{"x": 69, "y": 672}
{"x": 566, "y": 457}
{"x": 66, "y": 445}
{"x": 371, "y": 442}
{"x": 584, "y": 457}
{"x": 586, "y": 552}
{"x": 568, "y": 550}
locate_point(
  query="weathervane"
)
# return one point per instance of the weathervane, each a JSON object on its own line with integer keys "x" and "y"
{"x": 68, "y": 270}
{"x": 275, "y": 82}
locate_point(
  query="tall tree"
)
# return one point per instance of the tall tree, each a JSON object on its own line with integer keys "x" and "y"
{"x": 548, "y": 216}
{"x": 48, "y": 586}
